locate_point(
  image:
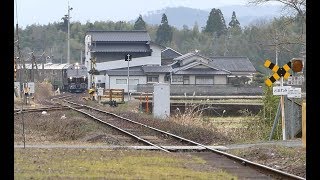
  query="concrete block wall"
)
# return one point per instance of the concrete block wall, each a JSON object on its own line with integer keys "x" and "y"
{"x": 206, "y": 90}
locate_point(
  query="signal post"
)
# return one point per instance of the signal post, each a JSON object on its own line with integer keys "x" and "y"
{"x": 282, "y": 73}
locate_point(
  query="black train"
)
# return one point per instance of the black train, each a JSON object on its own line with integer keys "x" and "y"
{"x": 66, "y": 77}
{"x": 75, "y": 78}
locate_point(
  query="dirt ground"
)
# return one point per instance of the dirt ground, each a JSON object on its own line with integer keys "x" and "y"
{"x": 284, "y": 158}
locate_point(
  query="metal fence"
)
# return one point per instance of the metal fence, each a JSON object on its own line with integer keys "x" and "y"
{"x": 293, "y": 118}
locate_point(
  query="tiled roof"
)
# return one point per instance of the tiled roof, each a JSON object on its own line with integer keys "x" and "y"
{"x": 169, "y": 53}
{"x": 233, "y": 64}
{"x": 122, "y": 48}
{"x": 202, "y": 72}
{"x": 133, "y": 71}
{"x": 120, "y": 36}
{"x": 195, "y": 63}
{"x": 47, "y": 66}
{"x": 139, "y": 71}
{"x": 157, "y": 69}
{"x": 183, "y": 56}
{"x": 124, "y": 73}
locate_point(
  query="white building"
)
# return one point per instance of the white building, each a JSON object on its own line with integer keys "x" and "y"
{"x": 109, "y": 49}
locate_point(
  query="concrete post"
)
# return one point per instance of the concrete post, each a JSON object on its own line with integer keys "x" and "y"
{"x": 161, "y": 100}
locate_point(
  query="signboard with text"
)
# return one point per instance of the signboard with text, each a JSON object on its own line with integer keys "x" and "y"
{"x": 128, "y": 57}
{"x": 294, "y": 92}
{"x": 280, "y": 90}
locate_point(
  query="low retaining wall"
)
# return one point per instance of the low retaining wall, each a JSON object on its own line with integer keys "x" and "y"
{"x": 206, "y": 90}
{"x": 214, "y": 110}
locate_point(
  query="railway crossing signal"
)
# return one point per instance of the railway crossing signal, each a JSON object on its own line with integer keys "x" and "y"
{"x": 297, "y": 65}
{"x": 278, "y": 72}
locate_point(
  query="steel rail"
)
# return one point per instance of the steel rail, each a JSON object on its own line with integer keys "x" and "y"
{"x": 119, "y": 129}
{"x": 18, "y": 111}
{"x": 236, "y": 158}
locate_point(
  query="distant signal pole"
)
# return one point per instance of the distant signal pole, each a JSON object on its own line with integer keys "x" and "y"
{"x": 68, "y": 18}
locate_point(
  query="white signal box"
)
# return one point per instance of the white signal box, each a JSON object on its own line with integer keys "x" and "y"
{"x": 100, "y": 91}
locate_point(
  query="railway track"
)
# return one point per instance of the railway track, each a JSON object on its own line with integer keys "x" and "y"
{"x": 52, "y": 107}
{"x": 115, "y": 121}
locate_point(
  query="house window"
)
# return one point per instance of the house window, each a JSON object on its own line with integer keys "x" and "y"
{"x": 204, "y": 80}
{"x": 186, "y": 80}
{"x": 167, "y": 78}
{"x": 177, "y": 79}
{"x": 152, "y": 79}
{"x": 101, "y": 85}
{"x": 121, "y": 81}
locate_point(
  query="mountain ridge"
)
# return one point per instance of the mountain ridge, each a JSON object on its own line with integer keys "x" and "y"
{"x": 179, "y": 16}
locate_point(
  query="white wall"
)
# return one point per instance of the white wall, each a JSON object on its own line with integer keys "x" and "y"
{"x": 161, "y": 78}
{"x": 220, "y": 79}
{"x": 114, "y": 85}
{"x": 192, "y": 79}
{"x": 124, "y": 64}
{"x": 154, "y": 59}
{"x": 100, "y": 78}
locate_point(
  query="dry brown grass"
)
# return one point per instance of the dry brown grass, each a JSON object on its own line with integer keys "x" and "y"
{"x": 42, "y": 90}
{"x": 193, "y": 116}
{"x": 248, "y": 128}
{"x": 51, "y": 127}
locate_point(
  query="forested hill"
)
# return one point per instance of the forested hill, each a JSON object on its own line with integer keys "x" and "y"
{"x": 180, "y": 16}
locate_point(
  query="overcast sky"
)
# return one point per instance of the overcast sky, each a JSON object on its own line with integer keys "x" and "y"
{"x": 49, "y": 11}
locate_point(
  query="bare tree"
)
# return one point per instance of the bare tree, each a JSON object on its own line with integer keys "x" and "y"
{"x": 298, "y": 10}
{"x": 299, "y": 6}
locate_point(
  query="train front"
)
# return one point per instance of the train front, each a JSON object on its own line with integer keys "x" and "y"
{"x": 77, "y": 78}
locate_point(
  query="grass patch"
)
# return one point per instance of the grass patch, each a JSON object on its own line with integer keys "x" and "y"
{"x": 108, "y": 164}
{"x": 246, "y": 128}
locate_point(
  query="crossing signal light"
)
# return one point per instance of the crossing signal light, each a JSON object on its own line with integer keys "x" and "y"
{"x": 297, "y": 65}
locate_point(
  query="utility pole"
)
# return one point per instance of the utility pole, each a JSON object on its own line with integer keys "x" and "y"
{"x": 21, "y": 73}
{"x": 68, "y": 17}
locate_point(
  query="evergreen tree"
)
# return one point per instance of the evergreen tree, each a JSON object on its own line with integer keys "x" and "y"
{"x": 195, "y": 29}
{"x": 139, "y": 24}
{"x": 234, "y": 23}
{"x": 216, "y": 23}
{"x": 164, "y": 32}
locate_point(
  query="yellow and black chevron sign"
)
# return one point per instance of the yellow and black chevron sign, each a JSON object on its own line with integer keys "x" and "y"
{"x": 279, "y": 72}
